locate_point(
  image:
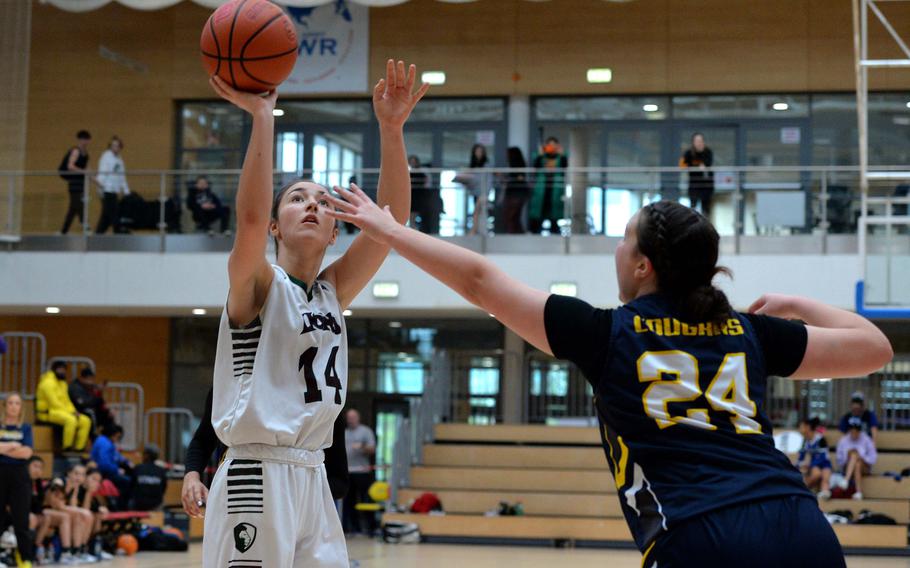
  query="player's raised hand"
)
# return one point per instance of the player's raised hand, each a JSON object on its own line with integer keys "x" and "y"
{"x": 394, "y": 97}
{"x": 777, "y": 305}
{"x": 250, "y": 102}
{"x": 359, "y": 209}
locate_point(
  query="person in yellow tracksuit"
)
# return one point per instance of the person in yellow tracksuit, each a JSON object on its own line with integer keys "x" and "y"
{"x": 53, "y": 405}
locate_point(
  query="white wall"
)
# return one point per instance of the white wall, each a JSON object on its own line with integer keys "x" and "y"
{"x": 130, "y": 283}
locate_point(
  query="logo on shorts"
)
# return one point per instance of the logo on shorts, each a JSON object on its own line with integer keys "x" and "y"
{"x": 244, "y": 536}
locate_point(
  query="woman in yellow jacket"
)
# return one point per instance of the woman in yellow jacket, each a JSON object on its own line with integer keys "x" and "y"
{"x": 53, "y": 405}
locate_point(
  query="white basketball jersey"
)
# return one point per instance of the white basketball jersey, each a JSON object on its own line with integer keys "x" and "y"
{"x": 283, "y": 379}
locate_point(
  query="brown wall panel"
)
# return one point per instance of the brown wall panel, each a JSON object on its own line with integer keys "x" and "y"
{"x": 130, "y": 349}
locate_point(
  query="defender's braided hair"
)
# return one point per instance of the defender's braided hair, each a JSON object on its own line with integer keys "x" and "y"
{"x": 683, "y": 246}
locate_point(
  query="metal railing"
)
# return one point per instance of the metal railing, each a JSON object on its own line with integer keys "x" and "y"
{"x": 126, "y": 401}
{"x": 171, "y": 429}
{"x": 782, "y": 200}
{"x": 23, "y": 363}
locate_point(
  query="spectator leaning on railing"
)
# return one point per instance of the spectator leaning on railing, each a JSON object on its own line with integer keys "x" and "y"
{"x": 53, "y": 405}
{"x": 15, "y": 450}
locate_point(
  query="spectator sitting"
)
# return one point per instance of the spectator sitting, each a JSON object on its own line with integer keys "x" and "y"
{"x": 817, "y": 473}
{"x": 89, "y": 499}
{"x": 43, "y": 518}
{"x": 111, "y": 463}
{"x": 867, "y": 417}
{"x": 856, "y": 454}
{"x": 83, "y": 521}
{"x": 89, "y": 400}
{"x": 15, "y": 450}
{"x": 53, "y": 405}
{"x": 206, "y": 206}
{"x": 149, "y": 481}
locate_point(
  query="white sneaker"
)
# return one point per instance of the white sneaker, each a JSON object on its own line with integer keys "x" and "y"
{"x": 8, "y": 539}
{"x": 87, "y": 558}
{"x": 824, "y": 495}
{"x": 68, "y": 559}
{"x": 858, "y": 496}
{"x": 105, "y": 556}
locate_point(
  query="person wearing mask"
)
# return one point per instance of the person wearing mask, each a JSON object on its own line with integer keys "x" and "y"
{"x": 111, "y": 463}
{"x": 549, "y": 188}
{"x": 53, "y": 406}
{"x": 205, "y": 443}
{"x": 517, "y": 193}
{"x": 88, "y": 399}
{"x": 15, "y": 450}
{"x": 207, "y": 207}
{"x": 360, "y": 443}
{"x": 867, "y": 418}
{"x": 698, "y": 158}
{"x": 72, "y": 169}
{"x": 149, "y": 481}
{"x": 111, "y": 179}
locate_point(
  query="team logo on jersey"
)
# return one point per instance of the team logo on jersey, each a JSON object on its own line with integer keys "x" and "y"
{"x": 244, "y": 536}
{"x": 323, "y": 322}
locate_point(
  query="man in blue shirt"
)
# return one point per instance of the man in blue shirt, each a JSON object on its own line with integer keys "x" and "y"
{"x": 111, "y": 463}
{"x": 858, "y": 410}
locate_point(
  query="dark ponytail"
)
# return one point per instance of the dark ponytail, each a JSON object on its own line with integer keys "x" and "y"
{"x": 683, "y": 246}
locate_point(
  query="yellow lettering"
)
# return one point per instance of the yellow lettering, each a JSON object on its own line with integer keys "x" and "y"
{"x": 638, "y": 327}
{"x": 734, "y": 326}
{"x": 689, "y": 330}
{"x": 671, "y": 327}
{"x": 705, "y": 329}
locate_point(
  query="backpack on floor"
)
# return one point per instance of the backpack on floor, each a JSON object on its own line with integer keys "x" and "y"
{"x": 400, "y": 533}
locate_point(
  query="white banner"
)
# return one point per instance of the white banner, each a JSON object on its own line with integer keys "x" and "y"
{"x": 333, "y": 51}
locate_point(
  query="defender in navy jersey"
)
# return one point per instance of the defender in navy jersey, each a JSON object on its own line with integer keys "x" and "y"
{"x": 680, "y": 380}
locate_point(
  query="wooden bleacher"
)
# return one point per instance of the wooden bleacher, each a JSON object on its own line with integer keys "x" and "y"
{"x": 562, "y": 480}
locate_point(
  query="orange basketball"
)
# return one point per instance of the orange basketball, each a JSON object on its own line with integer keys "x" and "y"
{"x": 128, "y": 544}
{"x": 251, "y": 44}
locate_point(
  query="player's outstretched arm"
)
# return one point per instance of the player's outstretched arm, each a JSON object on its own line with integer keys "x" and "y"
{"x": 393, "y": 100}
{"x": 249, "y": 273}
{"x": 518, "y": 306}
{"x": 841, "y": 344}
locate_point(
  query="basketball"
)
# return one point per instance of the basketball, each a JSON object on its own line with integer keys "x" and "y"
{"x": 251, "y": 44}
{"x": 128, "y": 544}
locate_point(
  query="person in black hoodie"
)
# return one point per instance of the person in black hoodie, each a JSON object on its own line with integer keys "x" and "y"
{"x": 205, "y": 443}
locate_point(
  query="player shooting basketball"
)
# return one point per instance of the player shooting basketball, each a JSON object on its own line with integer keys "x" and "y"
{"x": 679, "y": 380}
{"x": 281, "y": 365}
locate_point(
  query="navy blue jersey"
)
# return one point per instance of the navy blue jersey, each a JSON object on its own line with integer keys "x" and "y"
{"x": 680, "y": 405}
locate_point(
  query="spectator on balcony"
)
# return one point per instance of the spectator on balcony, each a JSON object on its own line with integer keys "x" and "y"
{"x": 112, "y": 180}
{"x": 149, "y": 481}
{"x": 360, "y": 443}
{"x": 88, "y": 399}
{"x": 426, "y": 204}
{"x": 112, "y": 464}
{"x": 72, "y": 169}
{"x": 517, "y": 193}
{"x": 856, "y": 455}
{"x": 698, "y": 158}
{"x": 53, "y": 406}
{"x": 478, "y": 187}
{"x": 817, "y": 473}
{"x": 867, "y": 417}
{"x": 207, "y": 207}
{"x": 15, "y": 485}
{"x": 549, "y": 187}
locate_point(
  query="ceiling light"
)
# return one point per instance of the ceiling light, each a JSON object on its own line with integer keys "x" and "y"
{"x": 433, "y": 77}
{"x": 650, "y": 108}
{"x": 600, "y": 75}
{"x": 395, "y": 324}
{"x": 385, "y": 290}
{"x": 347, "y": 313}
{"x": 52, "y": 310}
{"x": 277, "y": 112}
{"x": 780, "y": 106}
{"x": 908, "y": 104}
{"x": 198, "y": 311}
